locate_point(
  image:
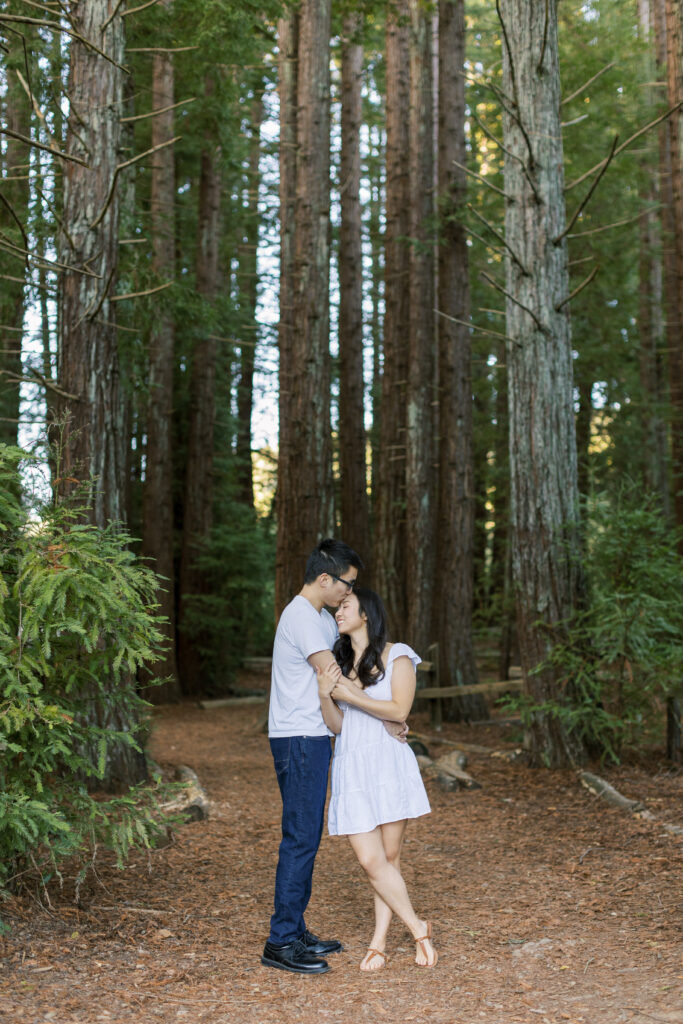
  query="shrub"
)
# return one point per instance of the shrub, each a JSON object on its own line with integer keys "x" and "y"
{"x": 623, "y": 653}
{"x": 77, "y": 620}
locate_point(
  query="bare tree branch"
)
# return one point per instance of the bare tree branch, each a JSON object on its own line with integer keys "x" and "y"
{"x": 482, "y": 179}
{"x": 21, "y": 19}
{"x": 500, "y": 238}
{"x": 136, "y": 295}
{"x": 513, "y": 75}
{"x": 616, "y": 223}
{"x": 159, "y": 110}
{"x": 15, "y": 218}
{"x": 539, "y": 66}
{"x": 160, "y": 49}
{"x": 473, "y": 327}
{"x": 578, "y": 289}
{"x": 42, "y": 260}
{"x": 513, "y": 156}
{"x": 111, "y": 17}
{"x": 577, "y": 92}
{"x": 134, "y": 10}
{"x": 516, "y": 301}
{"x": 636, "y": 135}
{"x": 582, "y": 205}
{"x": 121, "y": 167}
{"x": 39, "y": 145}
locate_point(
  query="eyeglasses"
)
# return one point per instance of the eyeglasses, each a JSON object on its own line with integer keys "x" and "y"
{"x": 349, "y": 583}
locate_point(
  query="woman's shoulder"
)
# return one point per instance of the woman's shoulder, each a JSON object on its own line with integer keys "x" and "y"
{"x": 397, "y": 650}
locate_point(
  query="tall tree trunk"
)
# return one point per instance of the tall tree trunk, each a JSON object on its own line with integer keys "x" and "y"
{"x": 248, "y": 299}
{"x": 374, "y": 233}
{"x": 420, "y": 453}
{"x": 13, "y": 216}
{"x": 543, "y": 464}
{"x": 198, "y": 495}
{"x": 93, "y": 439}
{"x": 673, "y": 220}
{"x": 304, "y": 499}
{"x": 355, "y": 527}
{"x": 650, "y": 304}
{"x": 157, "y": 514}
{"x": 455, "y": 510}
{"x": 390, "y": 528}
{"x": 584, "y": 418}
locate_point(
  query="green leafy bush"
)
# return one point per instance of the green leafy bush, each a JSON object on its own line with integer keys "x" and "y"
{"x": 623, "y": 653}
{"x": 77, "y": 620}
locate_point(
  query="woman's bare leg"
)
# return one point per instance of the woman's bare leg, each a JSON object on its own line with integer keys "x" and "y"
{"x": 389, "y": 885}
{"x": 392, "y": 838}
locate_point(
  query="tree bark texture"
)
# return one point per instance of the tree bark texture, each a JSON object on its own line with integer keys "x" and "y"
{"x": 198, "y": 499}
{"x": 355, "y": 526}
{"x": 304, "y": 495}
{"x": 94, "y": 436}
{"x": 157, "y": 516}
{"x": 248, "y": 299}
{"x": 94, "y": 441}
{"x": 389, "y": 554}
{"x": 420, "y": 421}
{"x": 650, "y": 305}
{"x": 14, "y": 199}
{"x": 674, "y": 245}
{"x": 543, "y": 463}
{"x": 287, "y": 574}
{"x": 453, "y": 598}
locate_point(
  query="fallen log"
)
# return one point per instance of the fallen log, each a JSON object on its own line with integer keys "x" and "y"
{"x": 192, "y": 802}
{"x": 603, "y": 789}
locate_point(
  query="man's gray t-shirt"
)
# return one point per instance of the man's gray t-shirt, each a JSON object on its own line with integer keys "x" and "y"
{"x": 294, "y": 701}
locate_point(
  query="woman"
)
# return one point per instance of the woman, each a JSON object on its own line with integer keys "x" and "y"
{"x": 376, "y": 782}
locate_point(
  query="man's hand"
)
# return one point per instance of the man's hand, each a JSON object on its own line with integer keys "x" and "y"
{"x": 399, "y": 730}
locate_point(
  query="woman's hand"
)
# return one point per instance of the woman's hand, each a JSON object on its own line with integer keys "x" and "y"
{"x": 344, "y": 690}
{"x": 328, "y": 678}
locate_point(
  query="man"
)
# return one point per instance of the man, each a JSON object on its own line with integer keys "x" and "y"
{"x": 300, "y": 743}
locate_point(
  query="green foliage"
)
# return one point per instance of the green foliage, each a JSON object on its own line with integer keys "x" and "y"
{"x": 233, "y": 617}
{"x": 77, "y": 621}
{"x": 622, "y": 656}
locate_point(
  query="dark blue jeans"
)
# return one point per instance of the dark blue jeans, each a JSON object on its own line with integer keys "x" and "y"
{"x": 302, "y": 765}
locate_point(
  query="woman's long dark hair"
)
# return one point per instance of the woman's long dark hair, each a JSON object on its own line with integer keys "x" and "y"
{"x": 370, "y": 667}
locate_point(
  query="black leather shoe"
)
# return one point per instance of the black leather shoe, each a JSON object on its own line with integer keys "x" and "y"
{"x": 320, "y": 947}
{"x": 293, "y": 957}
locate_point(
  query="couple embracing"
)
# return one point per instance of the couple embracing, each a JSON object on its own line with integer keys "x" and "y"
{"x": 343, "y": 678}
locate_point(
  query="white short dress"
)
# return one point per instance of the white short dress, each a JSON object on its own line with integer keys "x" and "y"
{"x": 375, "y": 778}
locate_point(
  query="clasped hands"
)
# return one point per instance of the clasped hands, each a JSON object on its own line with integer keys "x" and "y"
{"x": 331, "y": 683}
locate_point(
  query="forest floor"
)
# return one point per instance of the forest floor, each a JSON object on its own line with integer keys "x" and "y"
{"x": 548, "y": 905}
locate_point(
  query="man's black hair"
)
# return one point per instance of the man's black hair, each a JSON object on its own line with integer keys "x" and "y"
{"x": 333, "y": 556}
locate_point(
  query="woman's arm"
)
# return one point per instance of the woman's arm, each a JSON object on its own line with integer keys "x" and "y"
{"x": 403, "y": 684}
{"x": 327, "y": 680}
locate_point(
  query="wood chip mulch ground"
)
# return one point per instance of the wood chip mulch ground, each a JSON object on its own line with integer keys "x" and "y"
{"x": 548, "y": 905}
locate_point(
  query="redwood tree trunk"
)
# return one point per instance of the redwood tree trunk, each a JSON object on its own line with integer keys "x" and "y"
{"x": 651, "y": 330}
{"x": 304, "y": 497}
{"x": 355, "y": 527}
{"x": 543, "y": 463}
{"x": 94, "y": 438}
{"x": 455, "y": 523}
{"x": 420, "y": 449}
{"x": 198, "y": 499}
{"x": 389, "y": 552}
{"x": 14, "y": 217}
{"x": 674, "y": 246}
{"x": 157, "y": 515}
{"x": 248, "y": 298}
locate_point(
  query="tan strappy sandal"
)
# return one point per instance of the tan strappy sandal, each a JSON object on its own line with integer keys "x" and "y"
{"x": 421, "y": 941}
{"x": 373, "y": 953}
